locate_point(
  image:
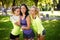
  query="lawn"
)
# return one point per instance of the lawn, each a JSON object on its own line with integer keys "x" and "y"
{"x": 52, "y": 28}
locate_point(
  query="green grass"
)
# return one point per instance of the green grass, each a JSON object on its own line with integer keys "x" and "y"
{"x": 5, "y": 27}
{"x": 52, "y": 29}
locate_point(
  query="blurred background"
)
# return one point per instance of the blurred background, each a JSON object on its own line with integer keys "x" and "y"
{"x": 49, "y": 14}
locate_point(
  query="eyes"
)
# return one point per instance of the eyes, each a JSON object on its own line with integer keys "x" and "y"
{"x": 17, "y": 10}
{"x": 23, "y": 7}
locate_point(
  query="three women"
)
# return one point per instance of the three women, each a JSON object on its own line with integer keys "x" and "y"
{"x": 24, "y": 20}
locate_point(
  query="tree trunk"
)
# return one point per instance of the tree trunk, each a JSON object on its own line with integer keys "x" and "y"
{"x": 13, "y": 2}
{"x": 59, "y": 1}
{"x": 2, "y": 3}
{"x": 36, "y": 2}
{"x": 58, "y": 5}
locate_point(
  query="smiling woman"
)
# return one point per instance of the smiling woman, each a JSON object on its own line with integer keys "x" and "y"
{"x": 14, "y": 35}
{"x": 36, "y": 23}
{"x": 28, "y": 33}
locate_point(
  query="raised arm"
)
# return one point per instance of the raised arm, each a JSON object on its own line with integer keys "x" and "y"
{"x": 17, "y": 22}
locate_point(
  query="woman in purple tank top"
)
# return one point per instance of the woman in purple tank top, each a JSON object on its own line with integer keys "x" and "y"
{"x": 28, "y": 34}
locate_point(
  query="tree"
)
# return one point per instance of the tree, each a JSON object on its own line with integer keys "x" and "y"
{"x": 6, "y": 3}
{"x": 36, "y": 2}
{"x": 58, "y": 5}
{"x": 13, "y": 2}
{"x": 3, "y": 2}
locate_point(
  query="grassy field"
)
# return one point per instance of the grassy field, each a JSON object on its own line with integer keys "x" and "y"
{"x": 52, "y": 29}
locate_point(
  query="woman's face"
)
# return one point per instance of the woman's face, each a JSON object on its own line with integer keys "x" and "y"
{"x": 32, "y": 11}
{"x": 17, "y": 11}
{"x": 23, "y": 9}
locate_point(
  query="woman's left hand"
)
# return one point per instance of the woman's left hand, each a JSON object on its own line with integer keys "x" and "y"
{"x": 23, "y": 27}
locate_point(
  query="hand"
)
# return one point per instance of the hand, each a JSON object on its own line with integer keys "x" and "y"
{"x": 23, "y": 27}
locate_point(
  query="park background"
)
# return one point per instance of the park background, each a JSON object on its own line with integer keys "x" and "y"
{"x": 49, "y": 11}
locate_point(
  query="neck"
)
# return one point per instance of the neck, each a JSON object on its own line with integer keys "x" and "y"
{"x": 16, "y": 15}
{"x": 23, "y": 14}
{"x": 33, "y": 16}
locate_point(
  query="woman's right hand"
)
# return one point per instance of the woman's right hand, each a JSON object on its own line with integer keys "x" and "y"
{"x": 17, "y": 23}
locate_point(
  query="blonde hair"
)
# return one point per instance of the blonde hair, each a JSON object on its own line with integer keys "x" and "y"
{"x": 36, "y": 10}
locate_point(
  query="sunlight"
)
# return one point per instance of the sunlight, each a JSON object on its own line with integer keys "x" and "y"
{"x": 54, "y": 20}
{"x": 4, "y": 19}
{"x": 47, "y": 21}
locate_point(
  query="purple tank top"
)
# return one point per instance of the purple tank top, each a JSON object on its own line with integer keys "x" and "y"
{"x": 24, "y": 23}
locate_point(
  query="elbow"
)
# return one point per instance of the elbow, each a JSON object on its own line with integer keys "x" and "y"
{"x": 17, "y": 24}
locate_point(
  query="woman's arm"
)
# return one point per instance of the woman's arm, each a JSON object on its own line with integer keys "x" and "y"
{"x": 28, "y": 24}
{"x": 17, "y": 22}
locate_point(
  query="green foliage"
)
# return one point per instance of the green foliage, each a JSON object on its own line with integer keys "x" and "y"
{"x": 39, "y": 3}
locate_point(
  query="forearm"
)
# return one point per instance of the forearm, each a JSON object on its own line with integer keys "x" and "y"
{"x": 25, "y": 28}
{"x": 17, "y": 23}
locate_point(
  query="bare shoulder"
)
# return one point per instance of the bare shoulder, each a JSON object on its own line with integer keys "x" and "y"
{"x": 28, "y": 17}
